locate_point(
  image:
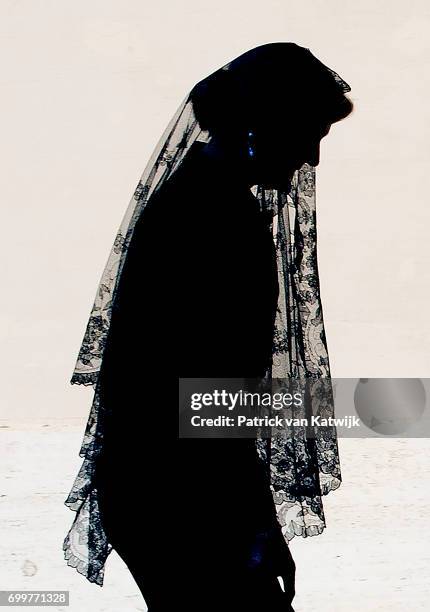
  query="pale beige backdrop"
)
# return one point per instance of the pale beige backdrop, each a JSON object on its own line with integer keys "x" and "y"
{"x": 86, "y": 90}
{"x": 87, "y": 87}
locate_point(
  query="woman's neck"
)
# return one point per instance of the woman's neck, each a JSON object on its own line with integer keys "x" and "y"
{"x": 230, "y": 159}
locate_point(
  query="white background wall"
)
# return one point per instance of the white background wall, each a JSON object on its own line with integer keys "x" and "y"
{"x": 86, "y": 90}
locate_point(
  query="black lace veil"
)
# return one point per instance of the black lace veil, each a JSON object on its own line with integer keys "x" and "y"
{"x": 302, "y": 470}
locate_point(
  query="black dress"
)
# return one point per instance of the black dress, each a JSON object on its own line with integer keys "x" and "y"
{"x": 197, "y": 298}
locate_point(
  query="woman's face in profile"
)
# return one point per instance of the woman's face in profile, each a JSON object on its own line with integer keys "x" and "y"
{"x": 281, "y": 149}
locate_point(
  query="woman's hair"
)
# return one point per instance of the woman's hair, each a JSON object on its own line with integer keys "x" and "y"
{"x": 280, "y": 78}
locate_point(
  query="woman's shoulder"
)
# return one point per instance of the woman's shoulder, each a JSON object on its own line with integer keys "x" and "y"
{"x": 191, "y": 190}
{"x": 199, "y": 194}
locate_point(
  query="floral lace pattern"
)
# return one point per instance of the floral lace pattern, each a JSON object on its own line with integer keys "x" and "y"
{"x": 302, "y": 470}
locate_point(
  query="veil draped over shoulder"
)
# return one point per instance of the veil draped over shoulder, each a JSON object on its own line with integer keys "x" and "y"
{"x": 302, "y": 470}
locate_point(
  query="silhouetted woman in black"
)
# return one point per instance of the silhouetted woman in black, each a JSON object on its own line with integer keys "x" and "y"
{"x": 194, "y": 519}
